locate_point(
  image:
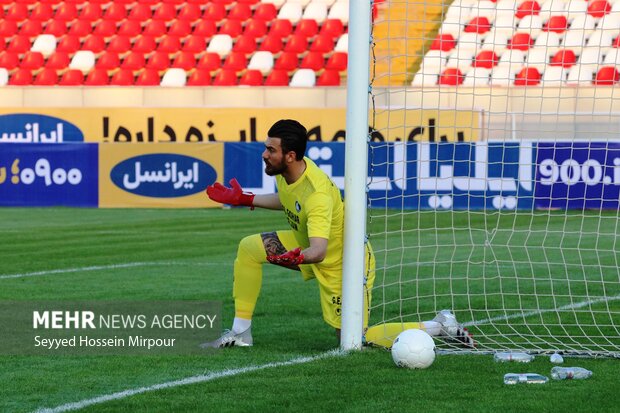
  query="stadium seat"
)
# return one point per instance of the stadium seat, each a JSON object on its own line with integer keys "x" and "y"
{"x": 235, "y": 61}
{"x": 83, "y": 60}
{"x": 287, "y": 61}
{"x": 19, "y": 44}
{"x": 41, "y": 12}
{"x": 607, "y": 76}
{"x": 148, "y": 77}
{"x": 66, "y": 12}
{"x": 72, "y": 78}
{"x": 58, "y": 61}
{"x": 154, "y": 28}
{"x": 502, "y": 76}
{"x": 315, "y": 11}
{"x": 21, "y": 77}
{"x": 583, "y": 22}
{"x": 119, "y": 44}
{"x": 296, "y": 44}
{"x": 478, "y": 25}
{"x": 277, "y": 78}
{"x": 189, "y": 12}
{"x": 46, "y": 77}
{"x": 182, "y": 28}
{"x": 291, "y": 11}
{"x": 194, "y": 44}
{"x": 470, "y": 42}
{"x": 169, "y": 44}
{"x": 322, "y": 43}
{"x": 451, "y": 76}
{"x": 133, "y": 61}
{"x": 575, "y": 8}
{"x": 17, "y": 12}
{"x": 225, "y": 78}
{"x": 281, "y": 28}
{"x": 245, "y": 44}
{"x": 233, "y": 28}
{"x": 599, "y": 8}
{"x": 574, "y": 39}
{"x": 199, "y": 78}
{"x": 140, "y": 12}
{"x": 337, "y": 61}
{"x": 272, "y": 43}
{"x": 600, "y": 39}
{"x": 30, "y": 28}
{"x": 424, "y": 79}
{"x": 477, "y": 76}
{"x": 221, "y": 44}
{"x": 144, "y": 44}
{"x": 174, "y": 77}
{"x": 206, "y": 28}
{"x": 93, "y": 43}
{"x": 108, "y": 60}
{"x": 8, "y": 28}
{"x": 261, "y": 61}
{"x": 527, "y": 8}
{"x": 54, "y": 27}
{"x": 129, "y": 28}
{"x": 123, "y": 77}
{"x": 251, "y": 78}
{"x": 612, "y": 58}
{"x": 44, "y": 43}
{"x": 115, "y": 12}
{"x": 537, "y": 57}
{"x": 165, "y": 12}
{"x": 9, "y": 60}
{"x": 515, "y": 58}
{"x": 266, "y": 12}
{"x": 550, "y": 40}
{"x": 159, "y": 60}
{"x": 556, "y": 24}
{"x": 521, "y": 41}
{"x": 530, "y": 24}
{"x": 342, "y": 45}
{"x": 332, "y": 27}
{"x": 580, "y": 76}
{"x": 90, "y": 12}
{"x": 80, "y": 28}
{"x": 313, "y": 60}
{"x": 554, "y": 76}
{"x": 97, "y": 77}
{"x": 339, "y": 10}
{"x": 209, "y": 61}
{"x": 303, "y": 78}
{"x": 255, "y": 28}
{"x": 307, "y": 28}
{"x": 185, "y": 61}
{"x": 551, "y": 7}
{"x": 32, "y": 60}
{"x": 4, "y": 77}
{"x": 239, "y": 11}
{"x": 486, "y": 59}
{"x": 434, "y": 59}
{"x": 328, "y": 78}
{"x": 214, "y": 12}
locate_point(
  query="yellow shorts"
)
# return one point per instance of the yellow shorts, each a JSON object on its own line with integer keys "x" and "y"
{"x": 330, "y": 282}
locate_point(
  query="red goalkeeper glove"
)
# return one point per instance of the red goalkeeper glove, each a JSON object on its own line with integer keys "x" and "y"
{"x": 232, "y": 196}
{"x": 290, "y": 258}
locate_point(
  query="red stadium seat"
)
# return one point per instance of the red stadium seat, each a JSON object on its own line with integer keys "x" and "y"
{"x": 225, "y": 78}
{"x": 478, "y": 25}
{"x": 240, "y": 11}
{"x": 19, "y": 44}
{"x": 53, "y": 27}
{"x": 140, "y": 12}
{"x": 8, "y": 28}
{"x": 31, "y": 28}
{"x": 486, "y": 58}
{"x": 332, "y": 27}
{"x": 165, "y": 12}
{"x": 251, "y": 78}
{"x": 115, "y": 12}
{"x": 46, "y": 77}
{"x": 281, "y": 28}
{"x": 599, "y": 8}
{"x": 615, "y": 43}
{"x": 189, "y": 12}
{"x": 323, "y": 44}
{"x": 209, "y": 61}
{"x": 148, "y": 77}
{"x": 80, "y": 28}
{"x": 32, "y": 61}
{"x": 286, "y": 61}
{"x": 266, "y": 12}
{"x": 235, "y": 61}
{"x": 17, "y": 12}
{"x": 72, "y": 78}
{"x": 255, "y": 28}
{"x": 296, "y": 44}
{"x": 313, "y": 60}
{"x": 556, "y": 24}
{"x": 194, "y": 44}
{"x": 185, "y": 61}
{"x": 144, "y": 44}
{"x": 123, "y": 77}
{"x": 105, "y": 28}
{"x": 307, "y": 27}
{"x": 233, "y": 28}
{"x": 214, "y": 12}
{"x": 58, "y": 61}
{"x": 108, "y": 60}
{"x": 42, "y": 12}
{"x": 9, "y": 60}
{"x": 133, "y": 61}
{"x": 277, "y": 78}
{"x": 272, "y": 43}
{"x": 199, "y": 78}
{"x": 68, "y": 44}
{"x": 119, "y": 44}
{"x": 66, "y": 12}
{"x": 169, "y": 44}
{"x": 337, "y": 61}
{"x": 564, "y": 58}
{"x": 130, "y": 28}
{"x": 90, "y": 12}
{"x": 528, "y": 8}
{"x": 21, "y": 77}
{"x": 159, "y": 61}
{"x": 154, "y": 28}
{"x": 328, "y": 78}
{"x": 528, "y": 76}
{"x": 94, "y": 43}
{"x": 521, "y": 41}
{"x": 206, "y": 28}
{"x": 607, "y": 76}
{"x": 451, "y": 77}
{"x": 245, "y": 44}
{"x": 180, "y": 28}
{"x": 97, "y": 77}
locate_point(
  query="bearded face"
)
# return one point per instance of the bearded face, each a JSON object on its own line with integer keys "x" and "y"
{"x": 275, "y": 162}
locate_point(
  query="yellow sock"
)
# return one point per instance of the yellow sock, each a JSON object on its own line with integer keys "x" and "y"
{"x": 248, "y": 275}
{"x": 384, "y": 334}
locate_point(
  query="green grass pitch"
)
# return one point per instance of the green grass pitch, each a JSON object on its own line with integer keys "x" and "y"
{"x": 188, "y": 255}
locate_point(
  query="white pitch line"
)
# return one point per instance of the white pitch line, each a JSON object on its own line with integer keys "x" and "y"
{"x": 101, "y": 267}
{"x": 573, "y": 306}
{"x": 189, "y": 380}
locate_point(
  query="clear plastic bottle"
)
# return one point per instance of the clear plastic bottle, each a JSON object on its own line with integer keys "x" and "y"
{"x": 556, "y": 358}
{"x": 570, "y": 373}
{"x": 503, "y": 357}
{"x": 531, "y": 378}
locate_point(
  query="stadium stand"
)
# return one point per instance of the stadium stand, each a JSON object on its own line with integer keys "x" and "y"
{"x": 173, "y": 43}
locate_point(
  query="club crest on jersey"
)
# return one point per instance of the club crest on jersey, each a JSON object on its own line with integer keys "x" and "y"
{"x": 297, "y": 206}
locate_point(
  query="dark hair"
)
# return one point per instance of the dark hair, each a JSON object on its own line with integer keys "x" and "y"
{"x": 293, "y": 136}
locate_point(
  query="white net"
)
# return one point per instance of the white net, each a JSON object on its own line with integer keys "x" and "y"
{"x": 495, "y": 170}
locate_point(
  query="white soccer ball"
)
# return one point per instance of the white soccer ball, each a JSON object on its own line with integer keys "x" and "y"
{"x": 414, "y": 349}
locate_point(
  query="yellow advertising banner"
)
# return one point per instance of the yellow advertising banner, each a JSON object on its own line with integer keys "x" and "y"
{"x": 196, "y": 125}
{"x": 158, "y": 175}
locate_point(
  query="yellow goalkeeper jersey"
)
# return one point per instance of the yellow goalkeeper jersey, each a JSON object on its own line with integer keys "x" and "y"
{"x": 314, "y": 208}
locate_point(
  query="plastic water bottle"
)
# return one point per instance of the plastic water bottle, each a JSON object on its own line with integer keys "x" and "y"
{"x": 570, "y": 373}
{"x": 531, "y": 378}
{"x": 556, "y": 358}
{"x": 503, "y": 357}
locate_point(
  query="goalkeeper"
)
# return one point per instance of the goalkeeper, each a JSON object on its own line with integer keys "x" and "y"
{"x": 314, "y": 210}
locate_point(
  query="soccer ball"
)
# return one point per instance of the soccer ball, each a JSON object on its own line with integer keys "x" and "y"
{"x": 414, "y": 349}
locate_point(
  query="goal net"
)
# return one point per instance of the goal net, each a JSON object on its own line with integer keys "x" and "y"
{"x": 494, "y": 170}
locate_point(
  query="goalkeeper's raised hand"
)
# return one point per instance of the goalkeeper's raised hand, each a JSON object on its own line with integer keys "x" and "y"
{"x": 288, "y": 259}
{"x": 232, "y": 196}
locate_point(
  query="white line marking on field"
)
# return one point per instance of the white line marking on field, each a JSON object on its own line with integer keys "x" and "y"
{"x": 104, "y": 267}
{"x": 573, "y": 306}
{"x": 189, "y": 380}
